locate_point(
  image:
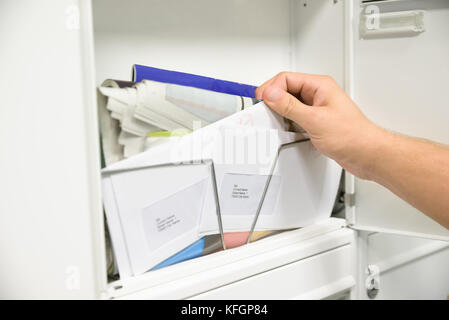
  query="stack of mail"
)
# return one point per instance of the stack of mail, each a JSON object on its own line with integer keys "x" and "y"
{"x": 244, "y": 174}
{"x": 191, "y": 170}
{"x": 146, "y": 109}
{"x": 136, "y": 116}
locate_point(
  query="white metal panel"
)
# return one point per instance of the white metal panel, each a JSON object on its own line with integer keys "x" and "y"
{"x": 49, "y": 203}
{"x": 389, "y": 251}
{"x": 196, "y": 276}
{"x": 318, "y": 35}
{"x": 320, "y": 276}
{"x": 425, "y": 278}
{"x": 401, "y": 83}
{"x": 245, "y": 41}
{"x": 410, "y": 268}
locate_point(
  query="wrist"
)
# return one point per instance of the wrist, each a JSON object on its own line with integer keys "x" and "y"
{"x": 366, "y": 151}
{"x": 374, "y": 151}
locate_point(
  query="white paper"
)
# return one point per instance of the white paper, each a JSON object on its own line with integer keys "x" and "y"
{"x": 254, "y": 118}
{"x": 308, "y": 188}
{"x": 169, "y": 218}
{"x": 209, "y": 106}
{"x": 240, "y": 194}
{"x": 131, "y": 198}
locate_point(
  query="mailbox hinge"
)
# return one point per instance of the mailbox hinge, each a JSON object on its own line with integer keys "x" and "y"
{"x": 349, "y": 199}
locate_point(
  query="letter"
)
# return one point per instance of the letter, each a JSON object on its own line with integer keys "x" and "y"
{"x": 192, "y": 310}
{"x": 212, "y": 310}
{"x": 242, "y": 309}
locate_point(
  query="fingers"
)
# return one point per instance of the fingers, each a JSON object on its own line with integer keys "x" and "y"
{"x": 301, "y": 85}
{"x": 259, "y": 91}
{"x": 288, "y": 106}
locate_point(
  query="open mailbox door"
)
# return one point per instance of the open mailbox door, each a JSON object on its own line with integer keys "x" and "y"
{"x": 50, "y": 181}
{"x": 399, "y": 90}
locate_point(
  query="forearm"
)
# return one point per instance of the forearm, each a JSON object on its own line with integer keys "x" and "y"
{"x": 414, "y": 169}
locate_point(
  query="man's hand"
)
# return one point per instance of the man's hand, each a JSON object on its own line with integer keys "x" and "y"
{"x": 334, "y": 123}
{"x": 416, "y": 170}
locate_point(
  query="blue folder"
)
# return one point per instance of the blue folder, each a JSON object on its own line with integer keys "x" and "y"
{"x": 187, "y": 79}
{"x": 195, "y": 250}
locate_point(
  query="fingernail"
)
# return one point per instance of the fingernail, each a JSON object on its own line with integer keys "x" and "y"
{"x": 272, "y": 94}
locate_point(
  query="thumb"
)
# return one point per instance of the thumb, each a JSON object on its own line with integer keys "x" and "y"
{"x": 287, "y": 106}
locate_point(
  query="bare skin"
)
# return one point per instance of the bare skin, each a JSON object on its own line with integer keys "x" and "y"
{"x": 416, "y": 170}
